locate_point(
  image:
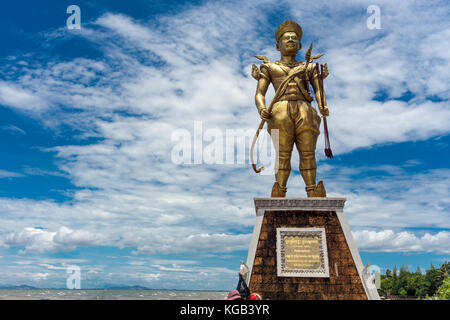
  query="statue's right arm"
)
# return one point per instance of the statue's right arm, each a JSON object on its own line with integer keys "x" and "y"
{"x": 260, "y": 97}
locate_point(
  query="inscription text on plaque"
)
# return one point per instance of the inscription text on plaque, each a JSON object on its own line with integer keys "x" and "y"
{"x": 302, "y": 252}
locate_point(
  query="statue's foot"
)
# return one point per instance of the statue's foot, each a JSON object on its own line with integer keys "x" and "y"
{"x": 278, "y": 191}
{"x": 317, "y": 192}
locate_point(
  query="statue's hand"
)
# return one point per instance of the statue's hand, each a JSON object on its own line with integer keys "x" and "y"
{"x": 325, "y": 71}
{"x": 255, "y": 72}
{"x": 324, "y": 111}
{"x": 265, "y": 115}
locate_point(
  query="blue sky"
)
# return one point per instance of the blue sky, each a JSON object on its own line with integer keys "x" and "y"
{"x": 86, "y": 118}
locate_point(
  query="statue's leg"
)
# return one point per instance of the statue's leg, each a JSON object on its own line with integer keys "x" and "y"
{"x": 306, "y": 145}
{"x": 282, "y": 175}
{"x": 307, "y": 132}
{"x": 285, "y": 143}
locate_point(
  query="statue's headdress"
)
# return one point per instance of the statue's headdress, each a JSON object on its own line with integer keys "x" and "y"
{"x": 286, "y": 26}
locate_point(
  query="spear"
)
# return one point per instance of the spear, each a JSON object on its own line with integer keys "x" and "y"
{"x": 328, "y": 152}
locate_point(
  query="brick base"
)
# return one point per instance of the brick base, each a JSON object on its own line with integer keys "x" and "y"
{"x": 345, "y": 284}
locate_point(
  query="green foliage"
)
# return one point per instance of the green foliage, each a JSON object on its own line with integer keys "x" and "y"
{"x": 434, "y": 284}
{"x": 443, "y": 293}
{"x": 386, "y": 285}
{"x": 434, "y": 278}
{"x": 416, "y": 285}
{"x": 445, "y": 269}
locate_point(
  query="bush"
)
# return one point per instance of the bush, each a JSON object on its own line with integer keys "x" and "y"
{"x": 443, "y": 293}
{"x": 402, "y": 292}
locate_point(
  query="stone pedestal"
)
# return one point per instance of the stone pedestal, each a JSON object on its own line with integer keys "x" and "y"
{"x": 302, "y": 248}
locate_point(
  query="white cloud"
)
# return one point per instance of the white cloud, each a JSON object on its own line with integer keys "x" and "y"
{"x": 392, "y": 200}
{"x": 151, "y": 276}
{"x": 33, "y": 278}
{"x": 52, "y": 267}
{"x": 14, "y": 96}
{"x": 174, "y": 268}
{"x": 195, "y": 243}
{"x": 39, "y": 276}
{"x": 9, "y": 174}
{"x": 13, "y": 129}
{"x": 386, "y": 200}
{"x": 390, "y": 241}
{"x": 136, "y": 263}
{"x": 38, "y": 240}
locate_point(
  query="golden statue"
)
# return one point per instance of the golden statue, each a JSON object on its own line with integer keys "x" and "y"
{"x": 291, "y": 111}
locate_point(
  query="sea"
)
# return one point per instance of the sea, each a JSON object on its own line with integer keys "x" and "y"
{"x": 109, "y": 294}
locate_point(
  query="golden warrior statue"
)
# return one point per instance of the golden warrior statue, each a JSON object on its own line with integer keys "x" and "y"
{"x": 290, "y": 110}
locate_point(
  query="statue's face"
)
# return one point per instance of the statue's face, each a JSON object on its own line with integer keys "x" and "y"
{"x": 289, "y": 44}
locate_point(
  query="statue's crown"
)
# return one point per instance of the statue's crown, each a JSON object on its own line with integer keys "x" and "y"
{"x": 286, "y": 26}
